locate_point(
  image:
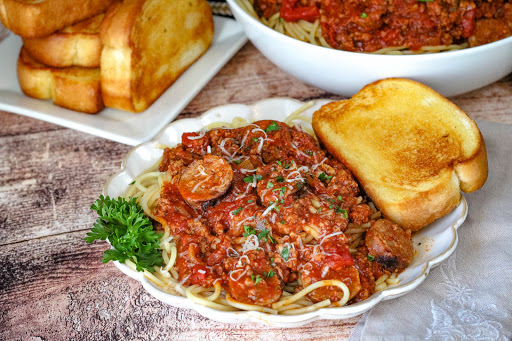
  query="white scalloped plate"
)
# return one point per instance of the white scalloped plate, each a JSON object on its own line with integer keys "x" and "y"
{"x": 433, "y": 243}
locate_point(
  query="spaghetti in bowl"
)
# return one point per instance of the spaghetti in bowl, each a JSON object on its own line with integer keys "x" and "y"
{"x": 345, "y": 73}
{"x": 166, "y": 286}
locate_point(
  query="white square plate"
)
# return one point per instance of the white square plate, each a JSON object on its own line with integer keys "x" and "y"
{"x": 120, "y": 126}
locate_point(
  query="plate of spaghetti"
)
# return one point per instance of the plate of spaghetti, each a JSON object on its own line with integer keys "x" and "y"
{"x": 256, "y": 222}
{"x": 340, "y": 46}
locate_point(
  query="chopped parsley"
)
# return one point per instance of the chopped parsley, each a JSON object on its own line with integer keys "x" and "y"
{"x": 249, "y": 230}
{"x": 370, "y": 258}
{"x": 364, "y": 15}
{"x": 269, "y": 274}
{"x": 282, "y": 190}
{"x": 272, "y": 126}
{"x": 249, "y": 201}
{"x": 133, "y": 182}
{"x": 287, "y": 165}
{"x": 280, "y": 178}
{"x": 342, "y": 211}
{"x": 285, "y": 253}
{"x": 235, "y": 212}
{"x": 339, "y": 198}
{"x": 309, "y": 152}
{"x": 279, "y": 163}
{"x": 324, "y": 176}
{"x": 256, "y": 279}
{"x": 283, "y": 221}
{"x": 256, "y": 139}
{"x": 251, "y": 178}
{"x": 265, "y": 235}
{"x": 238, "y": 162}
{"x": 270, "y": 185}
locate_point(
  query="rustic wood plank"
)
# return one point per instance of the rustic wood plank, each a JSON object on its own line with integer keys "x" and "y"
{"x": 49, "y": 179}
{"x": 56, "y": 288}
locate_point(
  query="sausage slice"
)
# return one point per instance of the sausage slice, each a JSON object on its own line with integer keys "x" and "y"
{"x": 389, "y": 244}
{"x": 205, "y": 179}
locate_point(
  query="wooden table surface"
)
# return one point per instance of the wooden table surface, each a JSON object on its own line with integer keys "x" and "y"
{"x": 53, "y": 285}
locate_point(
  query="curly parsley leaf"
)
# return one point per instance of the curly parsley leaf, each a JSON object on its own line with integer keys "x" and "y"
{"x": 128, "y": 230}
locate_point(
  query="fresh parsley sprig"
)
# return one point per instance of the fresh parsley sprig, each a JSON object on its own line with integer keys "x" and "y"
{"x": 129, "y": 232}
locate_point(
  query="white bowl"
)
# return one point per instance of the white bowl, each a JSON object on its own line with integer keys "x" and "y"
{"x": 345, "y": 73}
{"x": 433, "y": 244}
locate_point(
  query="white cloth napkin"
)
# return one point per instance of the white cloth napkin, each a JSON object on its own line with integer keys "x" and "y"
{"x": 468, "y": 296}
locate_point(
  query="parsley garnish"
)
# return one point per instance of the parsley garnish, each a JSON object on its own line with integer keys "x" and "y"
{"x": 256, "y": 279}
{"x": 235, "y": 212}
{"x": 269, "y": 274}
{"x": 283, "y": 221}
{"x": 324, "y": 176}
{"x": 133, "y": 182}
{"x": 272, "y": 126}
{"x": 309, "y": 152}
{"x": 270, "y": 185}
{"x": 339, "y": 198}
{"x": 256, "y": 139}
{"x": 249, "y": 230}
{"x": 364, "y": 15}
{"x": 264, "y": 235}
{"x": 279, "y": 163}
{"x": 288, "y": 165}
{"x": 285, "y": 253}
{"x": 370, "y": 258}
{"x": 238, "y": 162}
{"x": 250, "y": 178}
{"x": 280, "y": 178}
{"x": 282, "y": 190}
{"x": 128, "y": 230}
{"x": 341, "y": 210}
{"x": 249, "y": 201}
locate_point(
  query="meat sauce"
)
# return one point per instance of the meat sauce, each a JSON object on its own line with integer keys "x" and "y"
{"x": 367, "y": 26}
{"x": 258, "y": 207}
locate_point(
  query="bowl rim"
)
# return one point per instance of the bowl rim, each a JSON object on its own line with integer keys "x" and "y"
{"x": 238, "y": 11}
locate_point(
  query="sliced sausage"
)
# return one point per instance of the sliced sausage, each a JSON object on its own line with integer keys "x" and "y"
{"x": 389, "y": 244}
{"x": 205, "y": 179}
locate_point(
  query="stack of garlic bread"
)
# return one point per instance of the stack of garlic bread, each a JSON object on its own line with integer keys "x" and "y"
{"x": 87, "y": 54}
{"x": 411, "y": 149}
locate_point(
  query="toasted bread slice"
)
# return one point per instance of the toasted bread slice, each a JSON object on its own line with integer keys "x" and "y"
{"x": 411, "y": 149}
{"x": 76, "y": 45}
{"x": 39, "y": 18}
{"x": 148, "y": 44}
{"x": 74, "y": 88}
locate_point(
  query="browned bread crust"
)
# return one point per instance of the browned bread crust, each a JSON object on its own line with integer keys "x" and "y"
{"x": 411, "y": 149}
{"x": 76, "y": 45}
{"x": 39, "y": 18}
{"x": 148, "y": 44}
{"x": 74, "y": 88}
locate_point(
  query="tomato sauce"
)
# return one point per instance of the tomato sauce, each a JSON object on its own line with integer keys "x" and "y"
{"x": 367, "y": 26}
{"x": 263, "y": 206}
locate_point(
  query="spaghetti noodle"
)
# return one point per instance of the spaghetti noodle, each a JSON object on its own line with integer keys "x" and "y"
{"x": 237, "y": 252}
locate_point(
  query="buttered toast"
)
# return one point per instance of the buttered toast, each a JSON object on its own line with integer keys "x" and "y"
{"x": 76, "y": 45}
{"x": 147, "y": 45}
{"x": 75, "y": 88}
{"x": 411, "y": 149}
{"x": 39, "y": 18}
